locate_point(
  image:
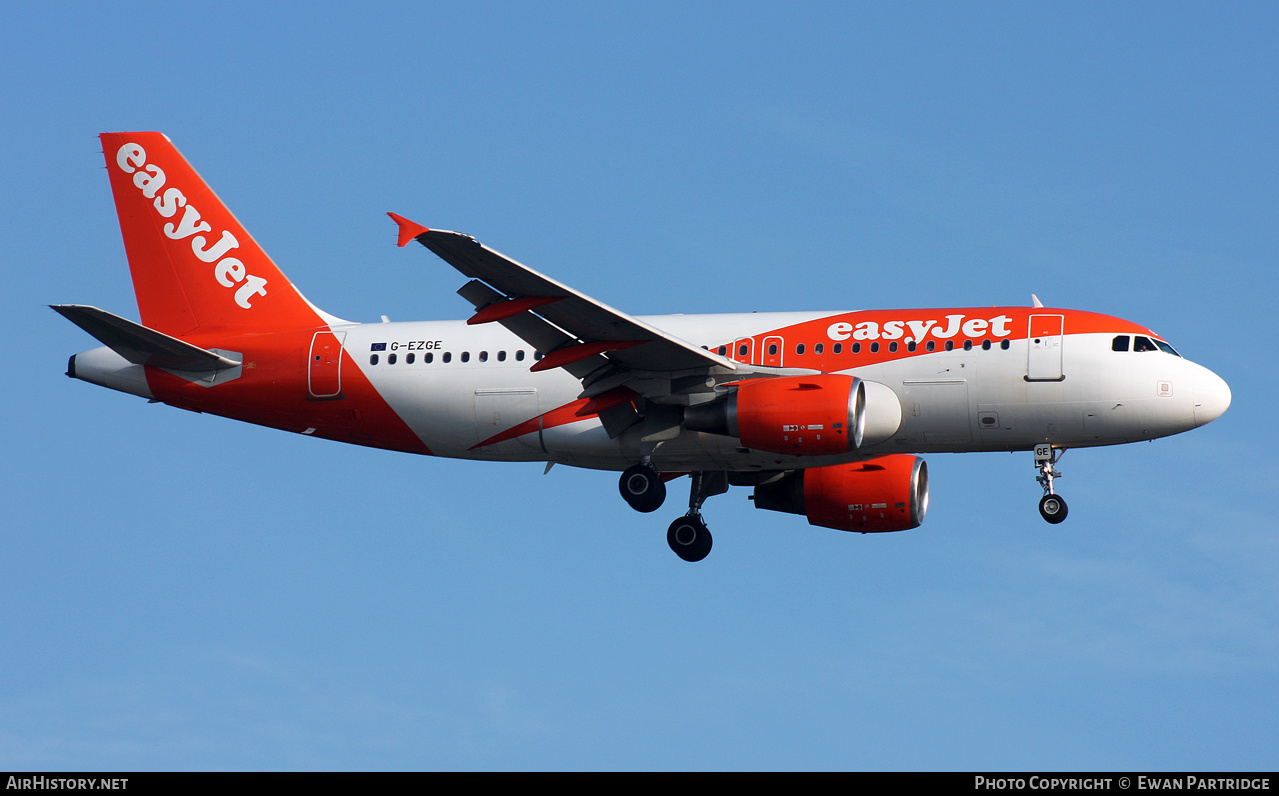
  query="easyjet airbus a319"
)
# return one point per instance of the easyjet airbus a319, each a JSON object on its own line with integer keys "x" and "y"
{"x": 821, "y": 414}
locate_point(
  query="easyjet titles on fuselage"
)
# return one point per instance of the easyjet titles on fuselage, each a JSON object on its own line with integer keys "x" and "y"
{"x": 229, "y": 271}
{"x": 917, "y": 330}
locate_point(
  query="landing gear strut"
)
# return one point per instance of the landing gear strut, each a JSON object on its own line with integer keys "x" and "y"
{"x": 1052, "y": 507}
{"x": 642, "y": 487}
{"x": 688, "y": 536}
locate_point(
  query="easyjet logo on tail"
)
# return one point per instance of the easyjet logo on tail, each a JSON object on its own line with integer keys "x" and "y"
{"x": 229, "y": 271}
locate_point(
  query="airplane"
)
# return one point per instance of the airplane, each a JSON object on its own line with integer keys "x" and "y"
{"x": 822, "y": 414}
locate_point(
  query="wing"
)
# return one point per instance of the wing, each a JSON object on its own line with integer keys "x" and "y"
{"x": 620, "y": 360}
{"x": 603, "y": 347}
{"x": 589, "y": 326}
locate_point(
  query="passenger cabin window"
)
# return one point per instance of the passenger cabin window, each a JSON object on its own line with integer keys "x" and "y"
{"x": 1120, "y": 343}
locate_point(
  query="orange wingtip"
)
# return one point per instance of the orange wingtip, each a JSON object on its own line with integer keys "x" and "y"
{"x": 408, "y": 229}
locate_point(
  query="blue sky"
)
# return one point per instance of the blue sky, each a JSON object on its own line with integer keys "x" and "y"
{"x": 183, "y": 592}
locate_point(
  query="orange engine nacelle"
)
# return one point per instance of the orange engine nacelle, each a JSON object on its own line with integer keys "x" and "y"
{"x": 798, "y": 415}
{"x": 887, "y": 493}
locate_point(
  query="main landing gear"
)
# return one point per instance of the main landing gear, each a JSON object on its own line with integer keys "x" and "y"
{"x": 642, "y": 488}
{"x": 1052, "y": 507}
{"x": 688, "y": 536}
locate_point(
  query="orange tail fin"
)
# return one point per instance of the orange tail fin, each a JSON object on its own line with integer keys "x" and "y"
{"x": 194, "y": 266}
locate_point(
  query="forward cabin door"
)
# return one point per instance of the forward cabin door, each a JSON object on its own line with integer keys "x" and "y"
{"x": 1046, "y": 335}
{"x": 324, "y": 371}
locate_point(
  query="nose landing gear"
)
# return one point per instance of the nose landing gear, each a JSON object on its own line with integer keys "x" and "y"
{"x": 1052, "y": 507}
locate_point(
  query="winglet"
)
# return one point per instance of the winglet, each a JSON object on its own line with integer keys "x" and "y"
{"x": 408, "y": 229}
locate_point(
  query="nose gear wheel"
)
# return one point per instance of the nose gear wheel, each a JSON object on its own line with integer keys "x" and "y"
{"x": 1052, "y": 507}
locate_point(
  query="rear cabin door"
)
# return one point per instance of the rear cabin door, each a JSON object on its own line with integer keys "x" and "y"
{"x": 324, "y": 371}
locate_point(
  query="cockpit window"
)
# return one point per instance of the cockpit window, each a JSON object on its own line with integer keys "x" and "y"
{"x": 1143, "y": 344}
{"x": 1167, "y": 349}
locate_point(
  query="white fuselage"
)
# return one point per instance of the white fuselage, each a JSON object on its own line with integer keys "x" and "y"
{"x": 952, "y": 401}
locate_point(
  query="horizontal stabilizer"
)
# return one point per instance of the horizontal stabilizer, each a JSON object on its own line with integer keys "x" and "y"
{"x": 140, "y": 344}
